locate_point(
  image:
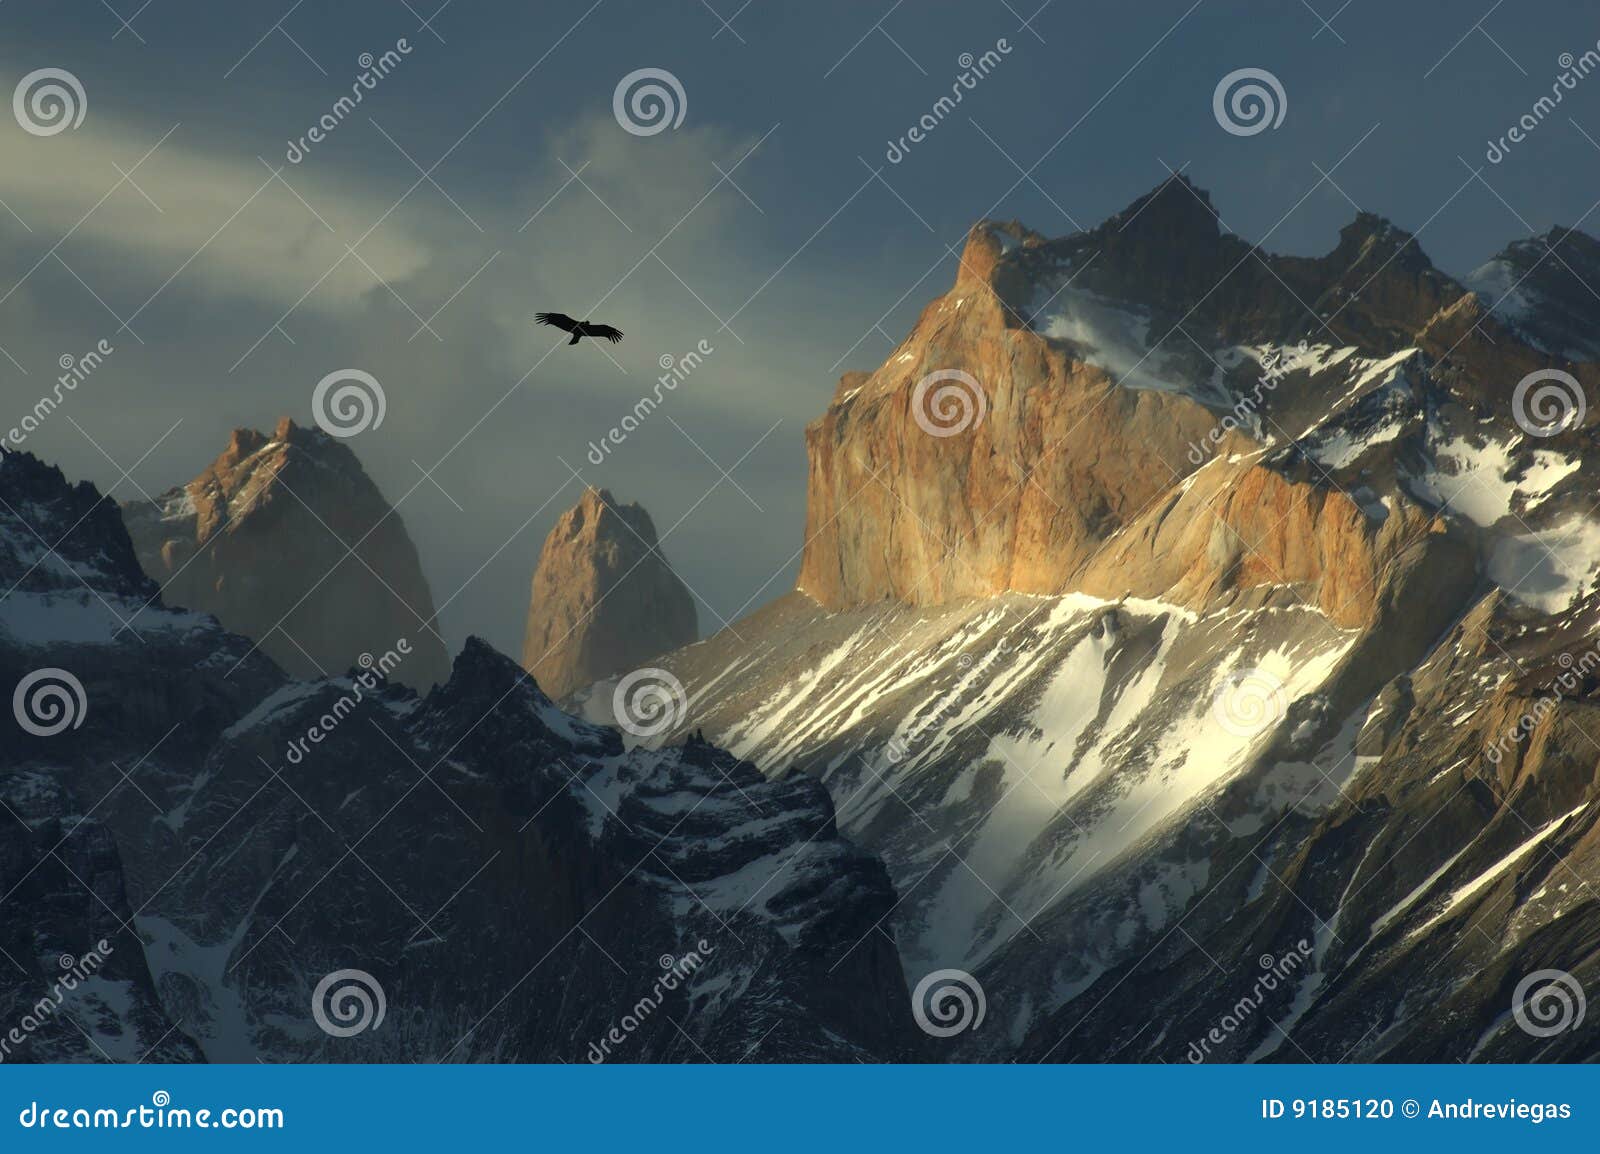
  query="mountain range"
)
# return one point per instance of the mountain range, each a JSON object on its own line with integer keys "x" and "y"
{"x": 1171, "y": 616}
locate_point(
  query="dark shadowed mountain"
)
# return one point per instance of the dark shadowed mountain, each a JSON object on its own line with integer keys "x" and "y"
{"x": 286, "y": 540}
{"x": 513, "y": 881}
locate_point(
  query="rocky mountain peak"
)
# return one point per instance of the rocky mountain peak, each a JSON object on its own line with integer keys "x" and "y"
{"x": 36, "y": 495}
{"x": 289, "y": 445}
{"x": 1175, "y": 210}
{"x": 1101, "y": 373}
{"x": 355, "y": 585}
{"x": 1370, "y": 236}
{"x": 604, "y": 598}
{"x": 988, "y": 242}
{"x": 1540, "y": 287}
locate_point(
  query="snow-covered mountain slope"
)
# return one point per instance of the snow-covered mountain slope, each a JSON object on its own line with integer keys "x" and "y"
{"x": 1541, "y": 286}
{"x": 1002, "y": 754}
{"x": 1457, "y": 863}
{"x": 510, "y": 877}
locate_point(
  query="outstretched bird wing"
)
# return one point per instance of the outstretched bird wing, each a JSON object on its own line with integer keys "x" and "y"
{"x": 559, "y": 320}
{"x": 611, "y": 334}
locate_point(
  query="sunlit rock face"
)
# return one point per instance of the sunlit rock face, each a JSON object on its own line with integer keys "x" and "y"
{"x": 604, "y": 598}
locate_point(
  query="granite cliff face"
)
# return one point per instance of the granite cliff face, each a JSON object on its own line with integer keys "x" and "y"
{"x": 604, "y": 599}
{"x": 1063, "y": 462}
{"x": 286, "y": 540}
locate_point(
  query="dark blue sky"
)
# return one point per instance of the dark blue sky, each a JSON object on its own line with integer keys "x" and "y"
{"x": 801, "y": 259}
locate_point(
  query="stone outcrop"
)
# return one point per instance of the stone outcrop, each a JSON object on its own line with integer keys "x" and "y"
{"x": 286, "y": 540}
{"x": 604, "y": 598}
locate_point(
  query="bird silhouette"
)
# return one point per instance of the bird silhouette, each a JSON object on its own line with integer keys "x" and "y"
{"x": 578, "y": 329}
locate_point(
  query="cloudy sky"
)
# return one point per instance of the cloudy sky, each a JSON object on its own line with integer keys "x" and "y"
{"x": 487, "y": 177}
